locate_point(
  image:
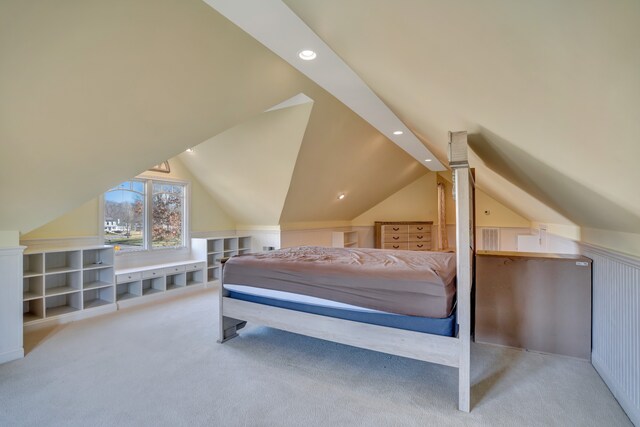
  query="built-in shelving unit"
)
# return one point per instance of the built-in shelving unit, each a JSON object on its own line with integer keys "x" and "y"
{"x": 213, "y": 249}
{"x": 133, "y": 283}
{"x": 344, "y": 239}
{"x": 57, "y": 282}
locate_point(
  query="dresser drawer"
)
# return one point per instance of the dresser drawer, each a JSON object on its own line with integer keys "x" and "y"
{"x": 394, "y": 238}
{"x": 395, "y": 229}
{"x": 128, "y": 277}
{"x": 419, "y": 237}
{"x": 150, "y": 274}
{"x": 195, "y": 266}
{"x": 420, "y": 228}
{"x": 400, "y": 246}
{"x": 419, "y": 246}
{"x": 176, "y": 269}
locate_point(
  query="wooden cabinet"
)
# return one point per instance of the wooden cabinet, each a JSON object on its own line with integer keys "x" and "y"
{"x": 405, "y": 235}
{"x": 536, "y": 301}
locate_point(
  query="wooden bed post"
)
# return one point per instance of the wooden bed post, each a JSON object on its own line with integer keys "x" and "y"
{"x": 464, "y": 253}
{"x": 445, "y": 350}
{"x": 228, "y": 327}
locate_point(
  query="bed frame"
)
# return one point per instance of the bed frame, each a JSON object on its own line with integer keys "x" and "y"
{"x": 449, "y": 351}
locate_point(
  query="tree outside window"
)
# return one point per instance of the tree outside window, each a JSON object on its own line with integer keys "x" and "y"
{"x": 167, "y": 214}
{"x": 130, "y": 227}
{"x": 124, "y": 215}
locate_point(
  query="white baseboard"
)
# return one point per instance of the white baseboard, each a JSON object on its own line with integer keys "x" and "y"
{"x": 11, "y": 355}
{"x": 147, "y": 299}
{"x": 633, "y": 412}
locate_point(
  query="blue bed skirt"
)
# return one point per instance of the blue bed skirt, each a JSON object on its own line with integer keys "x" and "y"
{"x": 445, "y": 327}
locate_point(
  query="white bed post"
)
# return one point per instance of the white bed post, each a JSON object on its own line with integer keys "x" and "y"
{"x": 459, "y": 164}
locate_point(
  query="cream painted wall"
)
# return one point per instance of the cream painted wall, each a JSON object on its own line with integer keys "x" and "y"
{"x": 549, "y": 159}
{"x": 628, "y": 243}
{"x": 248, "y": 168}
{"x": 417, "y": 201}
{"x": 160, "y": 76}
{"x": 206, "y": 214}
{"x": 79, "y": 222}
{"x": 571, "y": 232}
{"x": 341, "y": 153}
{"x": 500, "y": 215}
{"x": 9, "y": 238}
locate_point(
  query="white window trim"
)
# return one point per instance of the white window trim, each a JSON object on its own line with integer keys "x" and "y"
{"x": 148, "y": 186}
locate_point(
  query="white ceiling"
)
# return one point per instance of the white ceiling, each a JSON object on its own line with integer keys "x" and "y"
{"x": 273, "y": 24}
{"x": 549, "y": 92}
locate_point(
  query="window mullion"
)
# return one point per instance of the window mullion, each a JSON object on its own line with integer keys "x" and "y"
{"x": 149, "y": 214}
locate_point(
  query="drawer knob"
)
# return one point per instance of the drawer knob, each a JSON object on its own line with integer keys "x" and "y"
{"x": 396, "y": 237}
{"x": 420, "y": 245}
{"x": 420, "y": 237}
{"x": 396, "y": 228}
{"x": 420, "y": 228}
{"x": 396, "y": 246}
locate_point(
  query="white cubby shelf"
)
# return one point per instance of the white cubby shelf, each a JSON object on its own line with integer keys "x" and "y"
{"x": 213, "y": 249}
{"x": 58, "y": 282}
{"x": 70, "y": 283}
{"x": 344, "y": 239}
{"x": 135, "y": 285}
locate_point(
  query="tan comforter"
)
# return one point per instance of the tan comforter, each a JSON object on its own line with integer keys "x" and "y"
{"x": 402, "y": 282}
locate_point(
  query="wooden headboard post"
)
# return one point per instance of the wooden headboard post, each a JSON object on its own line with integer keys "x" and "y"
{"x": 465, "y": 245}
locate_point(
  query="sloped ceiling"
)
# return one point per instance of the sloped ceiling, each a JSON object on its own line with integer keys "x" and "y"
{"x": 94, "y": 92}
{"x": 287, "y": 166}
{"x": 549, "y": 91}
{"x": 341, "y": 153}
{"x": 248, "y": 169}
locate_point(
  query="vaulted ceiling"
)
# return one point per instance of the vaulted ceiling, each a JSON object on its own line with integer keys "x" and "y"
{"x": 549, "y": 92}
{"x": 93, "y": 92}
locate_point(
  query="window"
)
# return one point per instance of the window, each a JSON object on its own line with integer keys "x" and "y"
{"x": 168, "y": 208}
{"x": 124, "y": 215}
{"x": 143, "y": 214}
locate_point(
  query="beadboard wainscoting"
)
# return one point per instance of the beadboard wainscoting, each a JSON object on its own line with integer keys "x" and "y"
{"x": 616, "y": 325}
{"x": 11, "y": 303}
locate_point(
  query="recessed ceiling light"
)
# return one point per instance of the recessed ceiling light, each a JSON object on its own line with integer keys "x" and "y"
{"x": 427, "y": 160}
{"x": 190, "y": 150}
{"x": 307, "y": 54}
{"x": 341, "y": 196}
{"x": 398, "y": 132}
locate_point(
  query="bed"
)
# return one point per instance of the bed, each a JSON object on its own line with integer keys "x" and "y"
{"x": 411, "y": 304}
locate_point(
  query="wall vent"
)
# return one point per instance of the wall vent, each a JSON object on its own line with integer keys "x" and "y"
{"x": 491, "y": 239}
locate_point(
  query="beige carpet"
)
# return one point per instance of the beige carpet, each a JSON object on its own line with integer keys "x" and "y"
{"x": 159, "y": 365}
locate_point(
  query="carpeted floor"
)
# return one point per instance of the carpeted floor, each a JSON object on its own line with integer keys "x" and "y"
{"x": 159, "y": 365}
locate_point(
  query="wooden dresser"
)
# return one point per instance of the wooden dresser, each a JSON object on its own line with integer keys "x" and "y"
{"x": 406, "y": 235}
